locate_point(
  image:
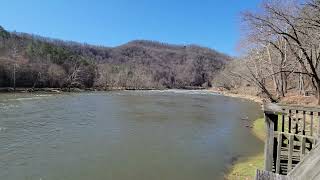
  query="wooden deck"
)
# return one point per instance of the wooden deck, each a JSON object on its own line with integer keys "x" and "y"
{"x": 292, "y": 133}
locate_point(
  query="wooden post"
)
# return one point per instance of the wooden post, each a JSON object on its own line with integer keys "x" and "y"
{"x": 290, "y": 152}
{"x": 278, "y": 153}
{"x": 304, "y": 123}
{"x": 311, "y": 124}
{"x": 270, "y": 121}
{"x": 289, "y": 125}
{"x": 275, "y": 141}
{"x": 297, "y": 122}
{"x": 318, "y": 125}
{"x": 303, "y": 147}
{"x": 283, "y": 121}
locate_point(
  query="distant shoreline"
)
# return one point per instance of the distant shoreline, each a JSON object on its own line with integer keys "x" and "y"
{"x": 98, "y": 89}
{"x": 63, "y": 90}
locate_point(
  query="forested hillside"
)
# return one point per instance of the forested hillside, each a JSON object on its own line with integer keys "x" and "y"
{"x": 31, "y": 61}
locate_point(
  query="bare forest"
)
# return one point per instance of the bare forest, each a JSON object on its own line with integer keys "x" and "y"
{"x": 280, "y": 58}
{"x": 281, "y": 41}
{"x": 30, "y": 61}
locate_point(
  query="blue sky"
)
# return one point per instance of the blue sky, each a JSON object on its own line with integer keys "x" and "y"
{"x": 210, "y": 23}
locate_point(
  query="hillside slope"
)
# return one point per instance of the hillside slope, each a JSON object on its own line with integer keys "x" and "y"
{"x": 34, "y": 61}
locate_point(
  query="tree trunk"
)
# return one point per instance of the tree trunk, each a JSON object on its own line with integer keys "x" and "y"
{"x": 274, "y": 79}
{"x": 282, "y": 84}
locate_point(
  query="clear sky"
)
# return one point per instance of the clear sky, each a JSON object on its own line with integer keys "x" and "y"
{"x": 210, "y": 23}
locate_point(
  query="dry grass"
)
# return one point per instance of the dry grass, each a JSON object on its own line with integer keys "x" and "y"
{"x": 293, "y": 98}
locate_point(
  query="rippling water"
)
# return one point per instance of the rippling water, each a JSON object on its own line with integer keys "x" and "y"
{"x": 136, "y": 135}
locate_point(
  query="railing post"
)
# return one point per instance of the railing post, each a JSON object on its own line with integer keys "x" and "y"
{"x": 297, "y": 122}
{"x": 303, "y": 148}
{"x": 318, "y": 125}
{"x": 271, "y": 121}
{"x": 289, "y": 121}
{"x": 290, "y": 152}
{"x": 278, "y": 153}
{"x": 283, "y": 120}
{"x": 298, "y": 134}
{"x": 311, "y": 123}
{"x": 304, "y": 123}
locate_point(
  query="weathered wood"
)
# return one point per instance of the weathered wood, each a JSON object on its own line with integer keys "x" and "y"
{"x": 296, "y": 136}
{"x": 289, "y": 121}
{"x": 275, "y": 142}
{"x": 309, "y": 167}
{"x": 278, "y": 153}
{"x": 311, "y": 123}
{"x": 287, "y": 146}
{"x": 269, "y": 121}
{"x": 272, "y": 108}
{"x": 265, "y": 175}
{"x": 304, "y": 123}
{"x": 318, "y": 125}
{"x": 303, "y": 148}
{"x": 275, "y": 120}
{"x": 283, "y": 121}
{"x": 299, "y": 107}
{"x": 290, "y": 152}
{"x": 297, "y": 122}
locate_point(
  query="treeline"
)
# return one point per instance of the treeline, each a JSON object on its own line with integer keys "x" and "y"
{"x": 36, "y": 62}
{"x": 282, "y": 57}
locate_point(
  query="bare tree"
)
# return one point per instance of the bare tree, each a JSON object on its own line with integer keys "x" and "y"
{"x": 57, "y": 75}
{"x": 299, "y": 26}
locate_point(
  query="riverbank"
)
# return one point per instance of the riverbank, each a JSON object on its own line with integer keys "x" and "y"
{"x": 237, "y": 95}
{"x": 61, "y": 90}
{"x": 245, "y": 168}
{"x": 249, "y": 94}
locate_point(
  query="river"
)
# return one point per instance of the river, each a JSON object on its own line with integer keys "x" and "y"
{"x": 136, "y": 135}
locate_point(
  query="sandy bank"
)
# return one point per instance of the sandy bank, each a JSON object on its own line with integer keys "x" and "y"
{"x": 242, "y": 96}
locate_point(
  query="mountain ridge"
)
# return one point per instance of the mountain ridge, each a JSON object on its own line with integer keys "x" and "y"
{"x": 136, "y": 64}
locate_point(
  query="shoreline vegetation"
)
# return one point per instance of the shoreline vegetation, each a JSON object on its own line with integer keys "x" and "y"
{"x": 62, "y": 90}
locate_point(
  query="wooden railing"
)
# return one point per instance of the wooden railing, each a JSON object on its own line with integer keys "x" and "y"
{"x": 292, "y": 132}
{"x": 266, "y": 175}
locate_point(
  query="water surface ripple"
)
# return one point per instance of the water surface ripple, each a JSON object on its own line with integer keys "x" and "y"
{"x": 136, "y": 135}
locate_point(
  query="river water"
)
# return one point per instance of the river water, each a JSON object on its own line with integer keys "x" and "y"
{"x": 127, "y": 135}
